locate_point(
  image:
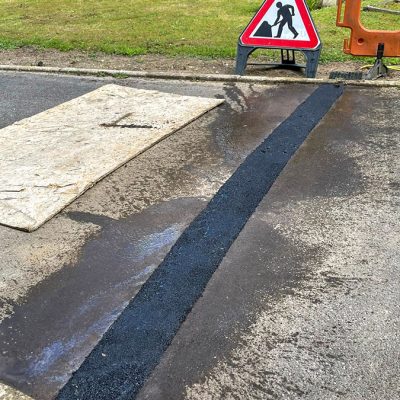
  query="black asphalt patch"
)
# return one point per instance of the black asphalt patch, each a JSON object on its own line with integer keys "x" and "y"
{"x": 119, "y": 365}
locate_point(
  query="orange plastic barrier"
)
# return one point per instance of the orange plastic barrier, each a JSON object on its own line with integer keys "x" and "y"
{"x": 365, "y": 42}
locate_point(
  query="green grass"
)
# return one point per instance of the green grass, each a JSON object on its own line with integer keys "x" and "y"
{"x": 204, "y": 28}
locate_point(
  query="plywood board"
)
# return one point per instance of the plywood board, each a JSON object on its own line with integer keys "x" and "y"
{"x": 48, "y": 160}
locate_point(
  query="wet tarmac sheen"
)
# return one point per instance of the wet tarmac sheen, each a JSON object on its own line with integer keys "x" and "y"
{"x": 129, "y": 351}
{"x": 49, "y": 335}
{"x": 152, "y": 200}
{"x": 305, "y": 305}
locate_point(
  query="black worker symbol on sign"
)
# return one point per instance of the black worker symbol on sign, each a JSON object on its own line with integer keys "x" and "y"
{"x": 284, "y": 17}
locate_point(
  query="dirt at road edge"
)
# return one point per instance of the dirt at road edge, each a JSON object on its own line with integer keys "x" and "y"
{"x": 32, "y": 56}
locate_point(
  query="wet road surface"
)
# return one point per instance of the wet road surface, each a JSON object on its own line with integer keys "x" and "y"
{"x": 128, "y": 352}
{"x": 306, "y": 302}
{"x": 64, "y": 285}
{"x": 80, "y": 270}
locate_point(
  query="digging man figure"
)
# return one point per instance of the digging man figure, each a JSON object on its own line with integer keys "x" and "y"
{"x": 285, "y": 13}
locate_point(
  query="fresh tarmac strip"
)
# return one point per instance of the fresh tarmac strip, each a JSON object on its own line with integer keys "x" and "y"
{"x": 81, "y": 269}
{"x": 128, "y": 352}
{"x": 306, "y": 302}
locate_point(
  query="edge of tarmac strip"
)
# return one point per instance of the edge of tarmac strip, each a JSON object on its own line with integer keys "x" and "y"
{"x": 129, "y": 351}
{"x": 194, "y": 77}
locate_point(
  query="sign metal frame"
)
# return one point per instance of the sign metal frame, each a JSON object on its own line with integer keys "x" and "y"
{"x": 311, "y": 49}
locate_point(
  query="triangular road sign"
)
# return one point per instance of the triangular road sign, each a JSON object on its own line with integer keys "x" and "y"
{"x": 282, "y": 24}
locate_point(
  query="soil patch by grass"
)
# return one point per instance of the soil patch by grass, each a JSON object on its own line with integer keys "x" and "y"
{"x": 31, "y": 56}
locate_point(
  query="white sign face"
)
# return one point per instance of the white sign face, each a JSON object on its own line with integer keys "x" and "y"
{"x": 281, "y": 21}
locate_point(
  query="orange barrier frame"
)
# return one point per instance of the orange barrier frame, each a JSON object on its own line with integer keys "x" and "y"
{"x": 365, "y": 42}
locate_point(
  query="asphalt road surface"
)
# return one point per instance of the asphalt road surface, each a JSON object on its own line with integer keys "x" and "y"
{"x": 254, "y": 254}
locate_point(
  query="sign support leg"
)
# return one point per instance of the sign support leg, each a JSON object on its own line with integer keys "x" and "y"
{"x": 287, "y": 56}
{"x": 312, "y": 57}
{"x": 243, "y": 53}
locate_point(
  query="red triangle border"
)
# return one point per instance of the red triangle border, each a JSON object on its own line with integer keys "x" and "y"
{"x": 311, "y": 44}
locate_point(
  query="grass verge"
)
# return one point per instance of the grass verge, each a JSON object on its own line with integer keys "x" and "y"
{"x": 203, "y": 28}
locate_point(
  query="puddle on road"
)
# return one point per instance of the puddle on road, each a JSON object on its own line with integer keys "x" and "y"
{"x": 64, "y": 317}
